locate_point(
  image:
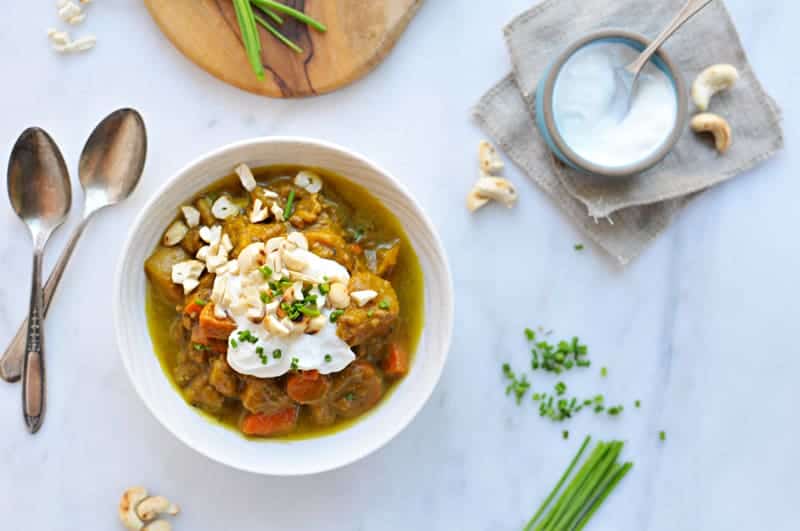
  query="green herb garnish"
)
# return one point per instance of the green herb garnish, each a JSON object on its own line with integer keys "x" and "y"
{"x": 383, "y": 305}
{"x": 565, "y": 434}
{"x": 277, "y": 353}
{"x": 200, "y": 302}
{"x": 662, "y": 435}
{"x": 247, "y": 337}
{"x": 324, "y": 288}
{"x": 198, "y": 346}
{"x": 266, "y": 271}
{"x": 234, "y": 344}
{"x": 294, "y": 364}
{"x": 328, "y": 358}
{"x": 579, "y": 247}
{"x": 263, "y": 357}
{"x": 349, "y": 397}
{"x": 518, "y": 386}
{"x": 603, "y": 372}
{"x": 287, "y": 212}
{"x": 335, "y": 314}
{"x": 265, "y": 297}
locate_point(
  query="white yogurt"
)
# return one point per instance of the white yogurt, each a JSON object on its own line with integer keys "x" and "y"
{"x": 582, "y": 104}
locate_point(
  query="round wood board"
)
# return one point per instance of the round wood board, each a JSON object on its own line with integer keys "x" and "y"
{"x": 360, "y": 34}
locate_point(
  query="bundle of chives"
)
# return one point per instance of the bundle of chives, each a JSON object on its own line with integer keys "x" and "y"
{"x": 248, "y": 18}
{"x": 588, "y": 489}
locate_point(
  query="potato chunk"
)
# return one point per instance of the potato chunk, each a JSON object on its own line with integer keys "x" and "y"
{"x": 159, "y": 270}
{"x": 358, "y": 324}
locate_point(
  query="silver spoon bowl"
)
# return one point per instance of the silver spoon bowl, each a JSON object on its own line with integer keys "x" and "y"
{"x": 110, "y": 167}
{"x": 39, "y": 190}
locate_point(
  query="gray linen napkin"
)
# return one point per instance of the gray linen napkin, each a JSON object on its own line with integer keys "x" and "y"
{"x": 635, "y": 211}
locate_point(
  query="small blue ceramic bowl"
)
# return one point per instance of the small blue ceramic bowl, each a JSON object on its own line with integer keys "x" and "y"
{"x": 549, "y": 129}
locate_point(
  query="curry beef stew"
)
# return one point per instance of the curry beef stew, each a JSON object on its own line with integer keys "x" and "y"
{"x": 285, "y": 303}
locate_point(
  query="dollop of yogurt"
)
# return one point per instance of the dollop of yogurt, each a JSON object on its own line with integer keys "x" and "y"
{"x": 582, "y": 103}
{"x": 275, "y": 293}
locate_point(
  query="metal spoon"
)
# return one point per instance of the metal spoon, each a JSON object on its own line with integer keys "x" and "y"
{"x": 627, "y": 77}
{"x": 110, "y": 167}
{"x": 39, "y": 190}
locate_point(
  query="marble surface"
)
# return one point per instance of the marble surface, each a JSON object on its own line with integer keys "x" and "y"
{"x": 700, "y": 329}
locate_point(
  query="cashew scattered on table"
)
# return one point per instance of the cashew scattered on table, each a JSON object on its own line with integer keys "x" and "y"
{"x": 496, "y": 189}
{"x": 152, "y": 507}
{"x": 710, "y": 81}
{"x": 127, "y": 508}
{"x": 490, "y": 160}
{"x": 475, "y": 201}
{"x": 175, "y": 233}
{"x": 716, "y": 125}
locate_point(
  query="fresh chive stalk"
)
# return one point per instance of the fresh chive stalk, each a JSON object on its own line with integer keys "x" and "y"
{"x": 299, "y": 15}
{"x": 252, "y": 43}
{"x": 586, "y": 491}
{"x": 561, "y": 481}
{"x": 278, "y": 35}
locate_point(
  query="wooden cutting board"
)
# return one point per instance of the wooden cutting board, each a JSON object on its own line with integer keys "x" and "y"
{"x": 360, "y": 34}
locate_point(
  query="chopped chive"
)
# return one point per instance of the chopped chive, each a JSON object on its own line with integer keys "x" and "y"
{"x": 328, "y": 358}
{"x": 234, "y": 344}
{"x": 294, "y": 364}
{"x": 264, "y": 296}
{"x": 266, "y": 271}
{"x": 335, "y": 314}
{"x": 277, "y": 354}
{"x": 370, "y": 313}
{"x": 324, "y": 288}
{"x": 578, "y": 247}
{"x": 565, "y": 434}
{"x": 198, "y": 346}
{"x": 603, "y": 372}
{"x": 383, "y": 305}
{"x": 287, "y": 212}
{"x": 638, "y": 403}
{"x": 530, "y": 334}
{"x": 200, "y": 302}
{"x": 662, "y": 435}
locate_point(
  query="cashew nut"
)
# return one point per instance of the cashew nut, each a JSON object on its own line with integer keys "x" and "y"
{"x": 710, "y": 81}
{"x": 211, "y": 235}
{"x": 175, "y": 233}
{"x": 299, "y": 239}
{"x": 246, "y": 177}
{"x": 277, "y": 211}
{"x": 187, "y": 273}
{"x": 150, "y": 508}
{"x": 338, "y": 296}
{"x": 192, "y": 215}
{"x": 496, "y": 189}
{"x": 259, "y": 213}
{"x": 127, "y": 508}
{"x": 490, "y": 160}
{"x": 223, "y": 208}
{"x": 158, "y": 525}
{"x": 364, "y": 296}
{"x": 309, "y": 181}
{"x": 716, "y": 125}
{"x": 316, "y": 324}
{"x": 252, "y": 257}
{"x": 475, "y": 201}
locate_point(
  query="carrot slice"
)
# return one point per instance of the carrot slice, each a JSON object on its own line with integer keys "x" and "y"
{"x": 260, "y": 425}
{"x": 193, "y": 309}
{"x": 396, "y": 362}
{"x": 214, "y": 327}
{"x": 307, "y": 387}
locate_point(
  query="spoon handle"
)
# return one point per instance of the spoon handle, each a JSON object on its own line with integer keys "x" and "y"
{"x": 691, "y": 8}
{"x": 33, "y": 390}
{"x": 11, "y": 362}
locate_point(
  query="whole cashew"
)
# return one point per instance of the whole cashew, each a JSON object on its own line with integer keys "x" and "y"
{"x": 490, "y": 160}
{"x": 710, "y": 81}
{"x": 149, "y": 508}
{"x": 496, "y": 189}
{"x": 158, "y": 525}
{"x": 127, "y": 508}
{"x": 716, "y": 125}
{"x": 475, "y": 201}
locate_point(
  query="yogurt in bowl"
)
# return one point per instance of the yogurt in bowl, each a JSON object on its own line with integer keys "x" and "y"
{"x": 577, "y": 116}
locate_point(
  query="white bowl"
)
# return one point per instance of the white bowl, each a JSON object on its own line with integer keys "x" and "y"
{"x": 222, "y": 444}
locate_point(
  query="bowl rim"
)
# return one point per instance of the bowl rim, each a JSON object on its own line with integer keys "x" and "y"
{"x": 638, "y": 166}
{"x": 446, "y": 304}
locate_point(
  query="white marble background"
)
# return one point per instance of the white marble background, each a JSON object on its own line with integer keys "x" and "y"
{"x": 701, "y": 328}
